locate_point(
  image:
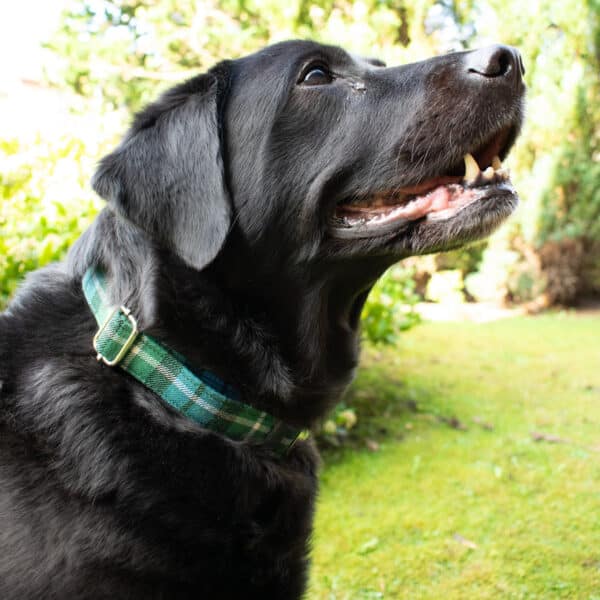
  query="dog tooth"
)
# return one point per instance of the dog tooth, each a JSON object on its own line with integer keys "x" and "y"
{"x": 472, "y": 169}
{"x": 496, "y": 163}
{"x": 488, "y": 174}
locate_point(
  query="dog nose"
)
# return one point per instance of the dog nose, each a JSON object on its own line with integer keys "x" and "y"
{"x": 496, "y": 62}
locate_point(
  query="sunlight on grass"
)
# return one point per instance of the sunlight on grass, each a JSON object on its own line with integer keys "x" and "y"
{"x": 460, "y": 500}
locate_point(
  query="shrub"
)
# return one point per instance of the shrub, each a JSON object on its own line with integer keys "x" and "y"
{"x": 562, "y": 263}
{"x": 390, "y": 307}
{"x": 45, "y": 205}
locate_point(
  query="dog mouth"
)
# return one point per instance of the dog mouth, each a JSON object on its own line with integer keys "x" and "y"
{"x": 479, "y": 176}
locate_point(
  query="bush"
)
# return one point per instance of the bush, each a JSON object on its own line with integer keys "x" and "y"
{"x": 466, "y": 259}
{"x": 336, "y": 429}
{"x": 46, "y": 203}
{"x": 390, "y": 307}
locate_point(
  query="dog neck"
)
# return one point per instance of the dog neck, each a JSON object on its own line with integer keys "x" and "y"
{"x": 290, "y": 347}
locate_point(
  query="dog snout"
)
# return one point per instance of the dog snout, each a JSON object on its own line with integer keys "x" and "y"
{"x": 499, "y": 63}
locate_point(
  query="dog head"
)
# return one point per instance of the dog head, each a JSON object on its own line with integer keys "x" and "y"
{"x": 303, "y": 153}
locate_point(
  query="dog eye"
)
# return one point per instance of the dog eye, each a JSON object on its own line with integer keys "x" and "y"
{"x": 316, "y": 75}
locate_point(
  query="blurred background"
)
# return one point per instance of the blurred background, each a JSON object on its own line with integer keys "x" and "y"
{"x": 464, "y": 461}
{"x": 74, "y": 71}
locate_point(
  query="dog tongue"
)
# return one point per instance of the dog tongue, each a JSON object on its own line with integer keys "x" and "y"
{"x": 437, "y": 199}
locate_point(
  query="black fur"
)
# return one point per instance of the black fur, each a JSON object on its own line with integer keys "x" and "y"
{"x": 217, "y": 236}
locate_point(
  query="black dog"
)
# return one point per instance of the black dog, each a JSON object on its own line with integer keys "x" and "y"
{"x": 250, "y": 211}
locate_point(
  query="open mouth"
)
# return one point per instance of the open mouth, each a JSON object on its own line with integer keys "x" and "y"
{"x": 478, "y": 177}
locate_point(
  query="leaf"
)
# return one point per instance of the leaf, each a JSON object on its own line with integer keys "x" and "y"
{"x": 465, "y": 542}
{"x": 369, "y": 546}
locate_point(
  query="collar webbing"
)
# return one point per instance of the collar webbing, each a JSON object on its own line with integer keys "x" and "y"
{"x": 202, "y": 399}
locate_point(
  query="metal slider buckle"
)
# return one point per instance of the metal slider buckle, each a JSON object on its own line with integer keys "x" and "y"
{"x": 128, "y": 343}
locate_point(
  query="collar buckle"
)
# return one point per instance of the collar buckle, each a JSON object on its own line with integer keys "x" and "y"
{"x": 108, "y": 335}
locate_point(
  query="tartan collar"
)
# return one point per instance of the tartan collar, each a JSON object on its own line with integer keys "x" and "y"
{"x": 201, "y": 397}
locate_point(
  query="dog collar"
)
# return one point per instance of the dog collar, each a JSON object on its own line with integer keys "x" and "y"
{"x": 203, "y": 398}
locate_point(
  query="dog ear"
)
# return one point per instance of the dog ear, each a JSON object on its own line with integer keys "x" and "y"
{"x": 168, "y": 174}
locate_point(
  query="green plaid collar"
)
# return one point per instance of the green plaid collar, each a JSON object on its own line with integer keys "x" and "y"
{"x": 204, "y": 399}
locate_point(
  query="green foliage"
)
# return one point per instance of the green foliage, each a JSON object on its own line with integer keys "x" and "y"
{"x": 557, "y": 159}
{"x": 336, "y": 429}
{"x": 466, "y": 260}
{"x": 45, "y": 204}
{"x": 120, "y": 49}
{"x": 390, "y": 307}
{"x": 118, "y": 54}
{"x": 571, "y": 204}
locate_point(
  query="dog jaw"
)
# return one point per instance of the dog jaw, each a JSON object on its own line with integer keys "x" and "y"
{"x": 439, "y": 199}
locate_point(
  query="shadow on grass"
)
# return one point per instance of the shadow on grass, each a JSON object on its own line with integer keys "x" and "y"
{"x": 387, "y": 409}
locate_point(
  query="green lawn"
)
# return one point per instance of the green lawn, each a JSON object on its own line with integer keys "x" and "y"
{"x": 455, "y": 498}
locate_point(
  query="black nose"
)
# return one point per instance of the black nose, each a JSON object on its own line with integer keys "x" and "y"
{"x": 495, "y": 62}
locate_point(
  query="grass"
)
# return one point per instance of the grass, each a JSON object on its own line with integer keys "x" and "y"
{"x": 476, "y": 467}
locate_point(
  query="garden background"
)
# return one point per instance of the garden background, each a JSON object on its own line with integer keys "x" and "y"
{"x": 464, "y": 462}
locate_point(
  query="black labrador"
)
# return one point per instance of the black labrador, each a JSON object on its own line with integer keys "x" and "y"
{"x": 249, "y": 212}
